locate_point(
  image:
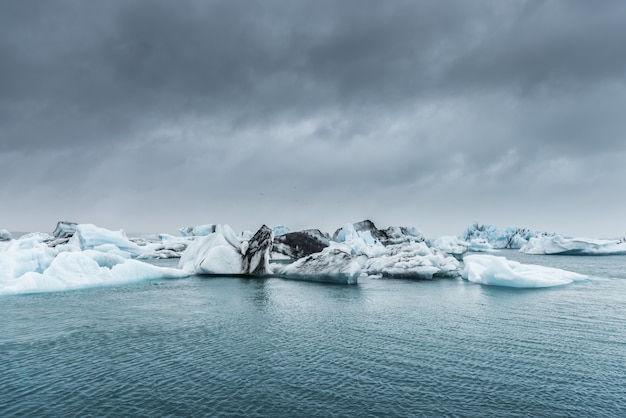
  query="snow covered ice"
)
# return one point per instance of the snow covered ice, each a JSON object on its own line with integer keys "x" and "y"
{"x": 498, "y": 271}
{"x": 574, "y": 246}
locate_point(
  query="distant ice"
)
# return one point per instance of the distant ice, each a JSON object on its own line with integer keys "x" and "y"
{"x": 499, "y": 238}
{"x": 574, "y": 246}
{"x": 498, "y": 271}
{"x": 197, "y": 231}
{"x": 281, "y": 230}
{"x": 5, "y": 235}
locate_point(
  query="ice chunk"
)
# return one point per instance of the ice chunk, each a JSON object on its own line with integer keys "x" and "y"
{"x": 333, "y": 265}
{"x": 5, "y": 235}
{"x": 451, "y": 244}
{"x": 389, "y": 236}
{"x": 360, "y": 243}
{"x": 574, "y": 246}
{"x": 413, "y": 260}
{"x": 217, "y": 253}
{"x": 510, "y": 237}
{"x": 222, "y": 253}
{"x": 197, "y": 231}
{"x": 294, "y": 245}
{"x": 89, "y": 237}
{"x": 74, "y": 270}
{"x": 281, "y": 230}
{"x": 498, "y": 271}
{"x": 257, "y": 256}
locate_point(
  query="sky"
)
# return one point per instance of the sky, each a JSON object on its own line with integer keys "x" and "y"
{"x": 150, "y": 115}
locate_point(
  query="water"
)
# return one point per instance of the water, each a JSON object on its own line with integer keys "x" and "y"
{"x": 272, "y": 347}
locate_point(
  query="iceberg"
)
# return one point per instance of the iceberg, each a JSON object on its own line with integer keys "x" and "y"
{"x": 217, "y": 253}
{"x": 91, "y": 237}
{"x": 281, "y": 230}
{"x": 360, "y": 242}
{"x": 223, "y": 253}
{"x": 256, "y": 258}
{"x": 197, "y": 231}
{"x": 451, "y": 244}
{"x": 391, "y": 235}
{"x": 5, "y": 235}
{"x": 415, "y": 261}
{"x": 37, "y": 270}
{"x": 498, "y": 271}
{"x": 510, "y": 237}
{"x": 558, "y": 244}
{"x": 334, "y": 264}
{"x": 294, "y": 245}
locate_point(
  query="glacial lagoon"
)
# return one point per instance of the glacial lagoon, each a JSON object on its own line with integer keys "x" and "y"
{"x": 228, "y": 346}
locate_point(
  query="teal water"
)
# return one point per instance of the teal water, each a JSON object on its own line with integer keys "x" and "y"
{"x": 272, "y": 347}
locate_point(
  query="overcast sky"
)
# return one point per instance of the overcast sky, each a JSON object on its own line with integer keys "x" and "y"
{"x": 151, "y": 115}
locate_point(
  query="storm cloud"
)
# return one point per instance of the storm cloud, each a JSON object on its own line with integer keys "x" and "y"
{"x": 152, "y": 115}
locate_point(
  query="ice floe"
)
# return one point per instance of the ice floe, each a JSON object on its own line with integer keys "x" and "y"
{"x": 500, "y": 238}
{"x": 574, "y": 246}
{"x": 5, "y": 235}
{"x": 333, "y": 264}
{"x": 498, "y": 271}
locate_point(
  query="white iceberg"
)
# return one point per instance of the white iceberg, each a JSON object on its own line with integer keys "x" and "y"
{"x": 414, "y": 260}
{"x": 451, "y": 244}
{"x": 334, "y": 264}
{"x": 498, "y": 271}
{"x": 197, "y": 231}
{"x": 359, "y": 242}
{"x": 5, "y": 235}
{"x": 389, "y": 236}
{"x": 281, "y": 230}
{"x": 223, "y": 253}
{"x": 217, "y": 253}
{"x": 574, "y": 246}
{"x": 509, "y": 237}
{"x": 36, "y": 270}
{"x": 91, "y": 237}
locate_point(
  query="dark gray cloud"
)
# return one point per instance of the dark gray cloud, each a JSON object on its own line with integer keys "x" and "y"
{"x": 150, "y": 115}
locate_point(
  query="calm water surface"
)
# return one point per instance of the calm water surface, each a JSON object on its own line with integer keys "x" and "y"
{"x": 272, "y": 347}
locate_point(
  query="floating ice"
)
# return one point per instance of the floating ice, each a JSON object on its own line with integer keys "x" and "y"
{"x": 294, "y": 245}
{"x": 222, "y": 253}
{"x": 197, "y": 231}
{"x": 360, "y": 243}
{"x": 37, "y": 270}
{"x": 5, "y": 235}
{"x": 216, "y": 253}
{"x": 91, "y": 237}
{"x": 414, "y": 260}
{"x": 389, "y": 236}
{"x": 334, "y": 264}
{"x": 498, "y": 271}
{"x": 281, "y": 230}
{"x": 574, "y": 246}
{"x": 510, "y": 237}
{"x": 451, "y": 244}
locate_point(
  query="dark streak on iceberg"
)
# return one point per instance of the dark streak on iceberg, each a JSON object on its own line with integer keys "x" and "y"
{"x": 301, "y": 244}
{"x": 257, "y": 257}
